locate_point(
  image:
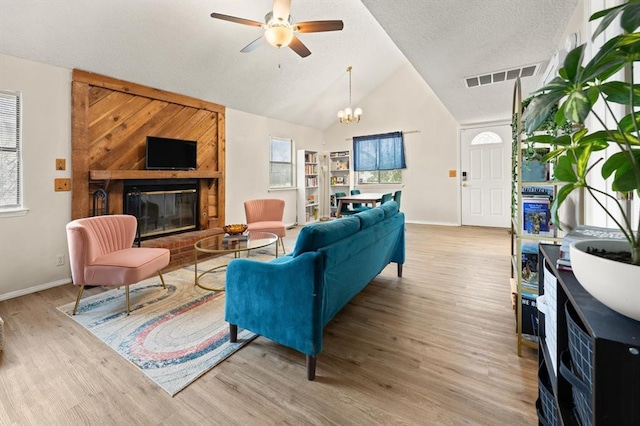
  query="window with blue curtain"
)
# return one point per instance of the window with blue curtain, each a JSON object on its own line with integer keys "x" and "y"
{"x": 379, "y": 152}
{"x": 379, "y": 158}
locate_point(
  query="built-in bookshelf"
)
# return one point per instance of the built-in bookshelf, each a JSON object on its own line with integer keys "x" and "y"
{"x": 340, "y": 177}
{"x": 308, "y": 186}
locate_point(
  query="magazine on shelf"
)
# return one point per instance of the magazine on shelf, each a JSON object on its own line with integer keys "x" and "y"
{"x": 530, "y": 264}
{"x": 537, "y": 192}
{"x": 537, "y": 216}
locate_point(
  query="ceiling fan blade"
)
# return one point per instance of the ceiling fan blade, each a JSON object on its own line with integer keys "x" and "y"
{"x": 236, "y": 20}
{"x": 281, "y": 9}
{"x": 297, "y": 46}
{"x": 251, "y": 46}
{"x": 317, "y": 26}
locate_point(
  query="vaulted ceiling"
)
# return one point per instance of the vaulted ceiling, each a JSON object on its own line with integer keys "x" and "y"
{"x": 175, "y": 45}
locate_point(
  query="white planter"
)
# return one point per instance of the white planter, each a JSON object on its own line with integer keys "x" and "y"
{"x": 614, "y": 284}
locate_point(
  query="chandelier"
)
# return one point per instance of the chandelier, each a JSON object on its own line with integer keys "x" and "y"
{"x": 348, "y": 115}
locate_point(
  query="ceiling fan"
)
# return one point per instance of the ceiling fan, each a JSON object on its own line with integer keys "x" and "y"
{"x": 279, "y": 29}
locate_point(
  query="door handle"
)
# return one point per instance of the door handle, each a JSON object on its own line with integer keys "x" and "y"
{"x": 464, "y": 184}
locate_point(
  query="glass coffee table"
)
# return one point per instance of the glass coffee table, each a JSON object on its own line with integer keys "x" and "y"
{"x": 218, "y": 244}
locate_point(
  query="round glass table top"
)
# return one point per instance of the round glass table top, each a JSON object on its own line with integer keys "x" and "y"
{"x": 223, "y": 243}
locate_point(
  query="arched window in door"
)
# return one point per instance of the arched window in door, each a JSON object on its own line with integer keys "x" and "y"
{"x": 486, "y": 138}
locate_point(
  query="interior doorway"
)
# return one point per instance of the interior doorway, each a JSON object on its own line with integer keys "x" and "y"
{"x": 485, "y": 164}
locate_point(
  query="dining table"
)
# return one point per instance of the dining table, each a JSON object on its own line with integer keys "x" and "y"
{"x": 372, "y": 198}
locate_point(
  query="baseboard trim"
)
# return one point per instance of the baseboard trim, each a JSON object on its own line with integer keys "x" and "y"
{"x": 422, "y": 222}
{"x": 34, "y": 289}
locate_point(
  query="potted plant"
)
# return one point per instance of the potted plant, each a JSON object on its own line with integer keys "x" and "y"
{"x": 575, "y": 92}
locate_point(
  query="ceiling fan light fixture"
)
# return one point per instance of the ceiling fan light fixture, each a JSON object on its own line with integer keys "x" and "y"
{"x": 279, "y": 36}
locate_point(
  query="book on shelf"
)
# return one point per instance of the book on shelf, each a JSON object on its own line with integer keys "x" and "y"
{"x": 586, "y": 232}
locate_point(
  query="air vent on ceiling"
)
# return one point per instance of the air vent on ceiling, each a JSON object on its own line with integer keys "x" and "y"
{"x": 500, "y": 76}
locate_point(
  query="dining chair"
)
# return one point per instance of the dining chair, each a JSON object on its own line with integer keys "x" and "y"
{"x": 386, "y": 197}
{"x": 358, "y": 207}
{"x": 101, "y": 253}
{"x": 397, "y": 196}
{"x": 267, "y": 215}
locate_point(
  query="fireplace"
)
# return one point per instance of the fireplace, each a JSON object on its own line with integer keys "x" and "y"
{"x": 162, "y": 206}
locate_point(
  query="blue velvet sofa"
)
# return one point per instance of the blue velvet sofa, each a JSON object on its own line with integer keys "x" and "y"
{"x": 291, "y": 298}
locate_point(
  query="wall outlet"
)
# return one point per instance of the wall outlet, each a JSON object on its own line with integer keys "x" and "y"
{"x": 60, "y": 260}
{"x": 62, "y": 184}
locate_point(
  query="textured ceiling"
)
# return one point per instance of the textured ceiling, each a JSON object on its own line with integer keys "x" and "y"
{"x": 174, "y": 45}
{"x": 446, "y": 41}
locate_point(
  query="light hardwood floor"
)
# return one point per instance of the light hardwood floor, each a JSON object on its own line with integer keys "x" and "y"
{"x": 435, "y": 347}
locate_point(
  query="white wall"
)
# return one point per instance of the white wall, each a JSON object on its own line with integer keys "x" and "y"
{"x": 247, "y": 146}
{"x": 29, "y": 244}
{"x": 405, "y": 102}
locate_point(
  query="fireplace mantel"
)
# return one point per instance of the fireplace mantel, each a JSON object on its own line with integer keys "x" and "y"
{"x": 108, "y": 175}
{"x": 152, "y": 174}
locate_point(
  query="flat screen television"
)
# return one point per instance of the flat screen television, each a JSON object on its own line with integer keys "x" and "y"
{"x": 170, "y": 154}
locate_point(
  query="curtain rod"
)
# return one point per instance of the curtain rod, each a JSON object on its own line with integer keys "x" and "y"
{"x": 404, "y": 133}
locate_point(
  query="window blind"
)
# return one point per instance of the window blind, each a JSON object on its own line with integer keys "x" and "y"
{"x": 10, "y": 143}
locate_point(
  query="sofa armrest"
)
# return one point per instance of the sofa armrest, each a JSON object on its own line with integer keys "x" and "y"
{"x": 280, "y": 300}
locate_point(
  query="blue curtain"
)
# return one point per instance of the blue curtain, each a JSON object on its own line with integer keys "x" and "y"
{"x": 379, "y": 152}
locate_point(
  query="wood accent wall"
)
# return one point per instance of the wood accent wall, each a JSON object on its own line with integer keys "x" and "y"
{"x": 110, "y": 122}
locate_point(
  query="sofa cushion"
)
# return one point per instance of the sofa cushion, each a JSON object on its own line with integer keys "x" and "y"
{"x": 370, "y": 217}
{"x": 321, "y": 234}
{"x": 390, "y": 208}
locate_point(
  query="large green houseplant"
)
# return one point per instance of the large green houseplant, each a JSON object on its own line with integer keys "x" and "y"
{"x": 575, "y": 92}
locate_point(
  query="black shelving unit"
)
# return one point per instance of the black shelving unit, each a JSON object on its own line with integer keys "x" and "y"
{"x": 615, "y": 359}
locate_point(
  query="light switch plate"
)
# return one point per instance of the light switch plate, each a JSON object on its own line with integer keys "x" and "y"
{"x": 61, "y": 164}
{"x": 62, "y": 184}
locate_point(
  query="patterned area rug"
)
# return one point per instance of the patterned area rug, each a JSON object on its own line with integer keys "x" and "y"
{"x": 175, "y": 335}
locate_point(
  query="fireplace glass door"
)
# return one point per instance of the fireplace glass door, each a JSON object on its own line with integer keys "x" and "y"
{"x": 162, "y": 211}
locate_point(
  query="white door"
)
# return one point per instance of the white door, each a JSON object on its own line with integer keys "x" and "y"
{"x": 486, "y": 176}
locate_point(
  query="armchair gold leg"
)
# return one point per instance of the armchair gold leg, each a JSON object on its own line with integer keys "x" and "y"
{"x": 75, "y": 308}
{"x": 162, "y": 279}
{"x": 284, "y": 251}
{"x": 126, "y": 289}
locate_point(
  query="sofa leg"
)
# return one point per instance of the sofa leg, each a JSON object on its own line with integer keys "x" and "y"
{"x": 233, "y": 333}
{"x": 400, "y": 270}
{"x": 311, "y": 367}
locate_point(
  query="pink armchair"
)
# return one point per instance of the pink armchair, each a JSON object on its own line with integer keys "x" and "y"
{"x": 266, "y": 215}
{"x": 101, "y": 253}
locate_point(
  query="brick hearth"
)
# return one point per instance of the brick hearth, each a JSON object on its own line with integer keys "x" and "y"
{"x": 181, "y": 246}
